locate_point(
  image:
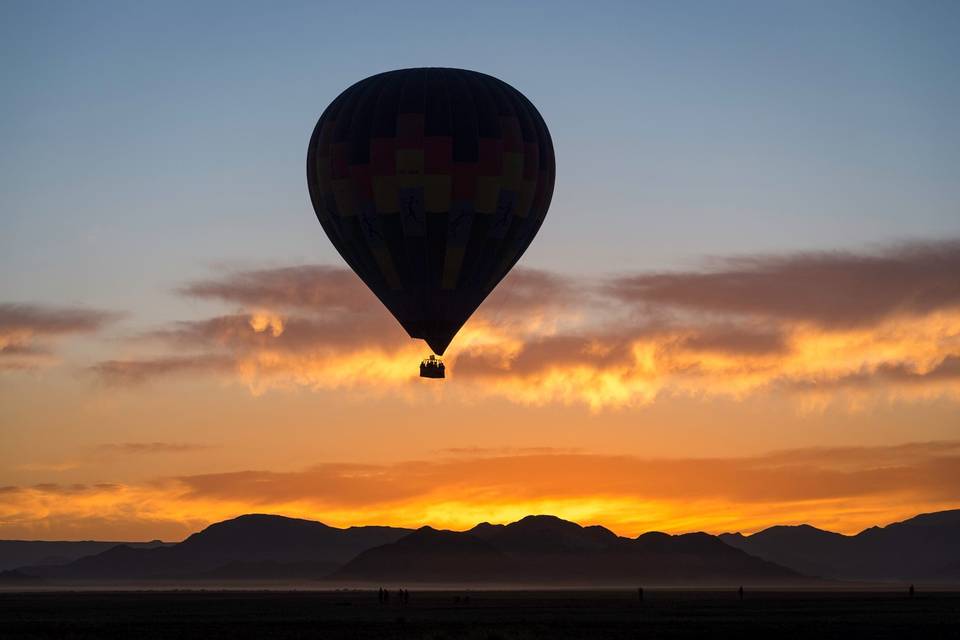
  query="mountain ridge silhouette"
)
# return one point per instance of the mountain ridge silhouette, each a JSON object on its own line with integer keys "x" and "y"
{"x": 535, "y": 550}
{"x": 546, "y": 550}
{"x": 924, "y": 547}
{"x": 273, "y": 542}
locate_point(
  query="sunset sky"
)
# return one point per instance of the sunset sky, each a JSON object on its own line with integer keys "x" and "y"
{"x": 743, "y": 308}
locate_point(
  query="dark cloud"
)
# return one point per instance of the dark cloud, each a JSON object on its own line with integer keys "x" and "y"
{"x": 25, "y": 329}
{"x": 125, "y": 372}
{"x": 43, "y": 320}
{"x": 23, "y": 350}
{"x": 537, "y": 355}
{"x": 829, "y": 289}
{"x": 315, "y": 287}
{"x": 237, "y": 332}
{"x": 886, "y": 373}
{"x": 735, "y": 340}
{"x": 834, "y": 289}
{"x": 327, "y": 289}
{"x": 153, "y": 447}
{"x": 526, "y": 289}
{"x": 607, "y": 348}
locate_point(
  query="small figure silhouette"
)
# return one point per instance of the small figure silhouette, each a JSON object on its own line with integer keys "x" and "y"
{"x": 911, "y": 590}
{"x": 740, "y": 591}
{"x": 640, "y": 594}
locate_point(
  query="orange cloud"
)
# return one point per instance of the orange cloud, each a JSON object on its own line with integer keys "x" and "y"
{"x": 844, "y": 488}
{"x": 826, "y": 327}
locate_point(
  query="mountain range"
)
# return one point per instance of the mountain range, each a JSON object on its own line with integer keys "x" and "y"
{"x": 926, "y": 547}
{"x": 534, "y": 551}
{"x": 253, "y": 546}
{"x": 17, "y": 553}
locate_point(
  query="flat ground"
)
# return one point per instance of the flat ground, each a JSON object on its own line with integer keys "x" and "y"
{"x": 486, "y": 616}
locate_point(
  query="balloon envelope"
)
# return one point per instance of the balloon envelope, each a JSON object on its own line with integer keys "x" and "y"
{"x": 431, "y": 183}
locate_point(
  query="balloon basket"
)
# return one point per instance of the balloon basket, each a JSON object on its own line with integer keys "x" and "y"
{"x": 432, "y": 367}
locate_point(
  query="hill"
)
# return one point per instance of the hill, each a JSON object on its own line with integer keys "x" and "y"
{"x": 253, "y": 546}
{"x": 545, "y": 550}
{"x": 428, "y": 556}
{"x": 18, "y": 553}
{"x": 923, "y": 548}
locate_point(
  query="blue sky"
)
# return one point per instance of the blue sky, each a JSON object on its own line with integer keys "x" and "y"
{"x": 146, "y": 142}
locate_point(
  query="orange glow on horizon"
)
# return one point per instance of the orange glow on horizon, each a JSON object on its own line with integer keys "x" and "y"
{"x": 840, "y": 490}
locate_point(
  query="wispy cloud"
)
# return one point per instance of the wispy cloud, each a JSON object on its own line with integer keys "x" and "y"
{"x": 814, "y": 324}
{"x": 47, "y": 467}
{"x": 318, "y": 287}
{"x": 27, "y": 331}
{"x": 499, "y": 451}
{"x": 829, "y": 289}
{"x": 153, "y": 447}
{"x": 126, "y": 372}
{"x": 329, "y": 289}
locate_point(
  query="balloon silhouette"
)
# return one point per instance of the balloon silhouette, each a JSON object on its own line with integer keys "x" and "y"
{"x": 431, "y": 183}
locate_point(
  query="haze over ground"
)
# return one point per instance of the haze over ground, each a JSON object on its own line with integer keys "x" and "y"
{"x": 743, "y": 308}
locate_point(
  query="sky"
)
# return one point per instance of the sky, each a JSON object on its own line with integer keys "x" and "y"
{"x": 743, "y": 308}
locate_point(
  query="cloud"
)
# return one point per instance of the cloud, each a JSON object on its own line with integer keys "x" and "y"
{"x": 946, "y": 370}
{"x": 778, "y": 477}
{"x": 735, "y": 340}
{"x": 47, "y": 467}
{"x": 127, "y": 372}
{"x": 88, "y": 512}
{"x": 822, "y": 326}
{"x": 845, "y": 488}
{"x": 153, "y": 447}
{"x": 909, "y": 454}
{"x": 526, "y": 289}
{"x": 310, "y": 287}
{"x": 45, "y": 320}
{"x": 487, "y": 451}
{"x": 828, "y": 289}
{"x": 26, "y": 331}
{"x": 330, "y": 289}
{"x": 241, "y": 332}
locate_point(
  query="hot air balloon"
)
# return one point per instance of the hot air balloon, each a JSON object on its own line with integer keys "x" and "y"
{"x": 431, "y": 183}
